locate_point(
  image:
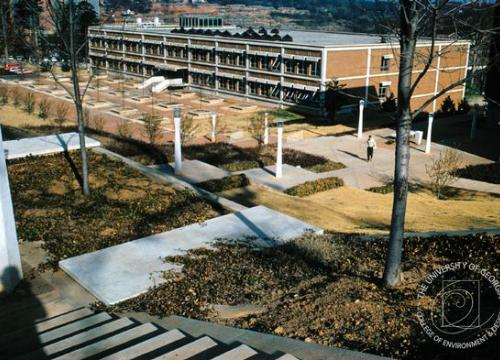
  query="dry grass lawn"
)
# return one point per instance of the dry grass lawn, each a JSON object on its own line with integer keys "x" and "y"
{"x": 349, "y": 209}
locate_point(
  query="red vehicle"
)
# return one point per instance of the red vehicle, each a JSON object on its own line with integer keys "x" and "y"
{"x": 22, "y": 70}
{"x": 8, "y": 67}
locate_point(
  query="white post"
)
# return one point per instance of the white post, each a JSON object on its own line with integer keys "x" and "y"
{"x": 360, "y": 120}
{"x": 11, "y": 272}
{"x": 214, "y": 126}
{"x": 266, "y": 128}
{"x": 473, "y": 128}
{"x": 177, "y": 144}
{"x": 428, "y": 140}
{"x": 279, "y": 153}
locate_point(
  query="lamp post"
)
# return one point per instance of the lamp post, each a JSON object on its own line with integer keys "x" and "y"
{"x": 266, "y": 128}
{"x": 177, "y": 143}
{"x": 279, "y": 152}
{"x": 360, "y": 119}
{"x": 428, "y": 140}
{"x": 214, "y": 126}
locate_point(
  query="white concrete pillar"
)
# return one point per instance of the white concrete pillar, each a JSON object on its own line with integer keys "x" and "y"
{"x": 360, "y": 118}
{"x": 428, "y": 140}
{"x": 473, "y": 129}
{"x": 214, "y": 126}
{"x": 279, "y": 152}
{"x": 266, "y": 128}
{"x": 178, "y": 141}
{"x": 11, "y": 271}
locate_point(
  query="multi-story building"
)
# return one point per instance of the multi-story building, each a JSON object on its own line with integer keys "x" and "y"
{"x": 288, "y": 68}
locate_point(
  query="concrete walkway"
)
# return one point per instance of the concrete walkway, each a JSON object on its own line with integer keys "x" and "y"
{"x": 43, "y": 145}
{"x": 194, "y": 171}
{"x": 359, "y": 173}
{"x": 127, "y": 270}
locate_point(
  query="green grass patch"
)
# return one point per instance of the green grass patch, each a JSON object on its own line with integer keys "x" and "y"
{"x": 316, "y": 186}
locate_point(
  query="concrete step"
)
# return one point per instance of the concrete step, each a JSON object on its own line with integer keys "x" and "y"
{"x": 110, "y": 343}
{"x": 35, "y": 340}
{"x": 147, "y": 346}
{"x": 79, "y": 339}
{"x": 45, "y": 325}
{"x": 287, "y": 357}
{"x": 242, "y": 352}
{"x": 189, "y": 350}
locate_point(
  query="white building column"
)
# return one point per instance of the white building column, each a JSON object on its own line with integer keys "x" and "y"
{"x": 266, "y": 128}
{"x": 279, "y": 150}
{"x": 360, "y": 118}
{"x": 428, "y": 140}
{"x": 11, "y": 271}
{"x": 178, "y": 141}
{"x": 214, "y": 127}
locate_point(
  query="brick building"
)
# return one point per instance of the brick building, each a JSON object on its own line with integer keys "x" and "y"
{"x": 287, "y": 68}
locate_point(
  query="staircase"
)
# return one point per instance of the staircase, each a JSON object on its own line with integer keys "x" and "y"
{"x": 80, "y": 334}
{"x": 151, "y": 81}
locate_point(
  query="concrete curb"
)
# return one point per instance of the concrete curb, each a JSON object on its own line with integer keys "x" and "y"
{"x": 172, "y": 180}
{"x": 428, "y": 234}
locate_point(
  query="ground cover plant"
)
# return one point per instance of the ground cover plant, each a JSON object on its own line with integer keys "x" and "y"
{"x": 316, "y": 186}
{"x": 322, "y": 289}
{"x": 226, "y": 183}
{"x": 123, "y": 205}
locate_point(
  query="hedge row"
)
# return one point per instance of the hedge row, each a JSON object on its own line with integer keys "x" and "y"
{"x": 226, "y": 183}
{"x": 484, "y": 172}
{"x": 389, "y": 188}
{"x": 313, "y": 187}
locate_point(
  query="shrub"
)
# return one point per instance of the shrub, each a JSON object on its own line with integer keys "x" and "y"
{"x": 124, "y": 130}
{"x": 388, "y": 188}
{"x": 443, "y": 170}
{"x": 152, "y": 127}
{"x": 226, "y": 183}
{"x": 257, "y": 127}
{"x": 97, "y": 122}
{"x": 463, "y": 107}
{"x": 16, "y": 97}
{"x": 483, "y": 172}
{"x": 44, "y": 109}
{"x": 29, "y": 102}
{"x": 447, "y": 108}
{"x": 189, "y": 128}
{"x": 61, "y": 114}
{"x": 390, "y": 104}
{"x": 242, "y": 165}
{"x": 4, "y": 95}
{"x": 313, "y": 187}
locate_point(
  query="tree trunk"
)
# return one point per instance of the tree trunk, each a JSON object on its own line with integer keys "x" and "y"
{"x": 78, "y": 103}
{"x": 392, "y": 272}
{"x": 492, "y": 81}
{"x": 5, "y": 19}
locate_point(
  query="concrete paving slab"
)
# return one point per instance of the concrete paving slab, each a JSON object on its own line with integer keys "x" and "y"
{"x": 127, "y": 270}
{"x": 292, "y": 176}
{"x": 43, "y": 145}
{"x": 195, "y": 171}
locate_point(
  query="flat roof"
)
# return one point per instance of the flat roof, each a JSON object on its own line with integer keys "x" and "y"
{"x": 300, "y": 37}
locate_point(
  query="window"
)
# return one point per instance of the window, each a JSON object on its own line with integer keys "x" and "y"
{"x": 289, "y": 65}
{"x": 385, "y": 62}
{"x": 382, "y": 90}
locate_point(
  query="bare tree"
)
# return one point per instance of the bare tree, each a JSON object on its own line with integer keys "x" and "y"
{"x": 256, "y": 128}
{"x": 61, "y": 114}
{"x": 152, "y": 127}
{"x": 60, "y": 13}
{"x": 443, "y": 170}
{"x": 418, "y": 19}
{"x": 189, "y": 128}
{"x": 44, "y": 108}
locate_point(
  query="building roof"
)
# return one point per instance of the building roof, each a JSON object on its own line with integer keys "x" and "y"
{"x": 299, "y": 37}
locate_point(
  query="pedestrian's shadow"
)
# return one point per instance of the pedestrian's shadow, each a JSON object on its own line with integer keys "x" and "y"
{"x": 353, "y": 155}
{"x": 19, "y": 312}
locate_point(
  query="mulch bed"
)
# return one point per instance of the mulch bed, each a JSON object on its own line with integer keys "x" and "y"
{"x": 323, "y": 289}
{"x": 123, "y": 205}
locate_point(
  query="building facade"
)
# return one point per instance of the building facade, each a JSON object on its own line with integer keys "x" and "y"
{"x": 288, "y": 69}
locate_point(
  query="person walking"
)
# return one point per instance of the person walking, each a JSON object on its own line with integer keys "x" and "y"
{"x": 370, "y": 146}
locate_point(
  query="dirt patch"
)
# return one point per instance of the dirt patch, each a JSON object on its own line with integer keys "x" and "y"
{"x": 57, "y": 188}
{"x": 125, "y": 194}
{"x": 43, "y": 212}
